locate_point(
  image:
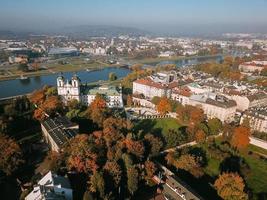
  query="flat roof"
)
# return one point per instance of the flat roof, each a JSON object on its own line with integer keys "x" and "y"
{"x": 60, "y": 129}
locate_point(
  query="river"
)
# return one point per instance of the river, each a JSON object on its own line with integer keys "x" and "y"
{"x": 19, "y": 87}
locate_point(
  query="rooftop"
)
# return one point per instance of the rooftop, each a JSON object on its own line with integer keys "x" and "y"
{"x": 61, "y": 129}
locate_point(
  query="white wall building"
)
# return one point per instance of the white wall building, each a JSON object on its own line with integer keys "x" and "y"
{"x": 69, "y": 90}
{"x": 257, "y": 118}
{"x": 158, "y": 85}
{"x": 215, "y": 106}
{"x": 51, "y": 186}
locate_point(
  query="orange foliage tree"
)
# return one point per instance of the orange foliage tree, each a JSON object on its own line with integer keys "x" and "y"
{"x": 188, "y": 163}
{"x": 98, "y": 110}
{"x": 240, "y": 138}
{"x": 163, "y": 106}
{"x": 114, "y": 170}
{"x": 10, "y": 155}
{"x": 135, "y": 147}
{"x": 82, "y": 154}
{"x": 230, "y": 186}
{"x": 200, "y": 136}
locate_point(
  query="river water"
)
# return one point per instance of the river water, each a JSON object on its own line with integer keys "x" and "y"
{"x": 19, "y": 87}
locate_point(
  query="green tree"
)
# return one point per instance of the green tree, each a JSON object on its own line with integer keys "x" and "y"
{"x": 97, "y": 184}
{"x": 132, "y": 181}
{"x": 112, "y": 76}
{"x": 215, "y": 126}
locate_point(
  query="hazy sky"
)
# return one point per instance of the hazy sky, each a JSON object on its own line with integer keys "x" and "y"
{"x": 153, "y": 15}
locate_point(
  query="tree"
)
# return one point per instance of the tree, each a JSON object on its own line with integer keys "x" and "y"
{"x": 135, "y": 147}
{"x": 200, "y": 136}
{"x": 155, "y": 144}
{"x": 215, "y": 126}
{"x": 129, "y": 100}
{"x": 150, "y": 169}
{"x": 114, "y": 170}
{"x": 112, "y": 76}
{"x": 189, "y": 163}
{"x": 98, "y": 110}
{"x": 163, "y": 106}
{"x": 132, "y": 181}
{"x": 51, "y": 91}
{"x": 240, "y": 138}
{"x": 38, "y": 96}
{"x": 173, "y": 138}
{"x": 190, "y": 114}
{"x": 97, "y": 184}
{"x": 50, "y": 106}
{"x": 10, "y": 155}
{"x": 230, "y": 186}
{"x": 83, "y": 154}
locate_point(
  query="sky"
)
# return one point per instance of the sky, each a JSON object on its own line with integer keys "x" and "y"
{"x": 153, "y": 15}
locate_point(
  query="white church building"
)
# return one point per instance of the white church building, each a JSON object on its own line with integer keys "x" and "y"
{"x": 73, "y": 89}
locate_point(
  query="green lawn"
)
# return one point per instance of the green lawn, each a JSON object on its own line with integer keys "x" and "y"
{"x": 256, "y": 179}
{"x": 157, "y": 126}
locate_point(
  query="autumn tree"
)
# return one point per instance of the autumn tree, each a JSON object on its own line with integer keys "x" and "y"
{"x": 150, "y": 170}
{"x": 50, "y": 106}
{"x": 38, "y": 96}
{"x": 163, "y": 106}
{"x": 240, "y": 138}
{"x": 200, "y": 136}
{"x": 154, "y": 144}
{"x": 113, "y": 129}
{"x": 132, "y": 179}
{"x": 10, "y": 155}
{"x": 190, "y": 114}
{"x": 98, "y": 110}
{"x": 230, "y": 186}
{"x": 129, "y": 100}
{"x": 83, "y": 154}
{"x": 135, "y": 147}
{"x": 189, "y": 163}
{"x": 114, "y": 170}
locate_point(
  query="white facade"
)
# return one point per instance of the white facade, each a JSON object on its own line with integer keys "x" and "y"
{"x": 51, "y": 186}
{"x": 75, "y": 90}
{"x": 157, "y": 85}
{"x": 215, "y": 107}
{"x": 257, "y": 118}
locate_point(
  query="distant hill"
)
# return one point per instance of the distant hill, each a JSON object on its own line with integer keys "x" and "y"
{"x": 101, "y": 31}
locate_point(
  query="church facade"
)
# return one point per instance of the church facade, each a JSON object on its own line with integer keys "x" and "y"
{"x": 73, "y": 89}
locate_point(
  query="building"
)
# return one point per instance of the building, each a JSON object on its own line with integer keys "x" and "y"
{"x": 63, "y": 51}
{"x": 215, "y": 106}
{"x": 57, "y": 131}
{"x": 257, "y": 117}
{"x": 254, "y": 66}
{"x": 158, "y": 85}
{"x": 51, "y": 187}
{"x": 69, "y": 90}
{"x": 166, "y": 54}
{"x": 18, "y": 59}
{"x": 246, "y": 101}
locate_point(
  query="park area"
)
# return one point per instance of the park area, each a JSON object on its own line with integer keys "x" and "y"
{"x": 218, "y": 157}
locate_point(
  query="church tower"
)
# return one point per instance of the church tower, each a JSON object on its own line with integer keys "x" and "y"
{"x": 75, "y": 83}
{"x": 60, "y": 84}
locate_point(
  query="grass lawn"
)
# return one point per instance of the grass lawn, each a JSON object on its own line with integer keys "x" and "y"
{"x": 157, "y": 127}
{"x": 256, "y": 179}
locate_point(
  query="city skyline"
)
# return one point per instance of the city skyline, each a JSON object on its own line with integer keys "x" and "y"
{"x": 181, "y": 17}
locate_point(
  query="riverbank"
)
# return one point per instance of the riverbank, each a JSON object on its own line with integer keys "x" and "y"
{"x": 174, "y": 58}
{"x": 56, "y": 68}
